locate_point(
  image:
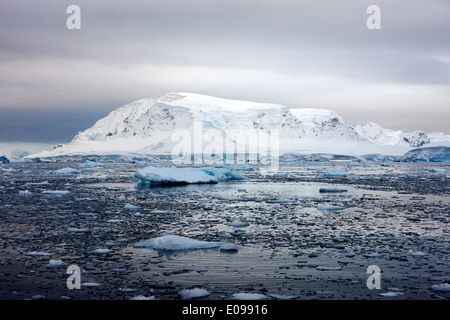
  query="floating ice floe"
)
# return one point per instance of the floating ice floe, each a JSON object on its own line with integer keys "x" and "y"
{"x": 281, "y": 201}
{"x": 193, "y": 293}
{"x": 77, "y": 230}
{"x": 130, "y": 206}
{"x": 66, "y": 171}
{"x": 249, "y": 296}
{"x": 38, "y": 254}
{"x": 329, "y": 207}
{"x": 416, "y": 253}
{"x": 179, "y": 243}
{"x": 332, "y": 190}
{"x": 391, "y": 294}
{"x": 444, "y": 287}
{"x": 156, "y": 176}
{"x": 238, "y": 224}
{"x": 321, "y": 268}
{"x": 57, "y": 192}
{"x": 54, "y": 264}
{"x": 90, "y": 284}
{"x": 141, "y": 297}
{"x": 438, "y": 170}
{"x": 373, "y": 255}
{"x": 102, "y": 251}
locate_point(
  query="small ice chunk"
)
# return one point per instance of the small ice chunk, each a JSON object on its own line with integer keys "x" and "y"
{"x": 38, "y": 254}
{"x": 249, "y": 296}
{"x": 445, "y": 287}
{"x": 56, "y": 192}
{"x": 115, "y": 221}
{"x": 321, "y": 268}
{"x": 141, "y": 297}
{"x": 67, "y": 171}
{"x": 193, "y": 293}
{"x": 228, "y": 247}
{"x": 390, "y": 294}
{"x": 159, "y": 211}
{"x": 129, "y": 206}
{"x": 53, "y": 264}
{"x": 238, "y": 224}
{"x": 280, "y": 174}
{"x": 372, "y": 255}
{"x": 90, "y": 284}
{"x": 281, "y": 201}
{"x": 329, "y": 207}
{"x": 102, "y": 251}
{"x": 416, "y": 253}
{"x": 77, "y": 230}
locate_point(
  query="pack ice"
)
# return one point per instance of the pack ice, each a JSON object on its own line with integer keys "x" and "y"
{"x": 180, "y": 243}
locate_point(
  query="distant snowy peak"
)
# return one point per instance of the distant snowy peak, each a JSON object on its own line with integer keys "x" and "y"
{"x": 379, "y": 135}
{"x": 147, "y": 126}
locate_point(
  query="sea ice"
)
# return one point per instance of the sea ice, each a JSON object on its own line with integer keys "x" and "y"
{"x": 249, "y": 296}
{"x": 416, "y": 253}
{"x": 325, "y": 207}
{"x": 238, "y": 224}
{"x": 66, "y": 171}
{"x": 56, "y": 192}
{"x": 176, "y": 243}
{"x": 102, "y": 251}
{"x": 193, "y": 293}
{"x": 130, "y": 206}
{"x": 53, "y": 264}
{"x": 141, "y": 297}
{"x": 445, "y": 287}
{"x": 320, "y": 268}
{"x": 39, "y": 253}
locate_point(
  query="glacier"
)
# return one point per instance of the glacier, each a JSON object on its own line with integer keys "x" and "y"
{"x": 155, "y": 127}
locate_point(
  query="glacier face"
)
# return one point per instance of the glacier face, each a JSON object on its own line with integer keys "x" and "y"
{"x": 146, "y": 126}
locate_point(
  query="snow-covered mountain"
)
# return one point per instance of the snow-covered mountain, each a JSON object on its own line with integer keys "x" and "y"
{"x": 379, "y": 135}
{"x": 155, "y": 127}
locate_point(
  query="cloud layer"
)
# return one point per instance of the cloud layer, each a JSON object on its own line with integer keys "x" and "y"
{"x": 296, "y": 53}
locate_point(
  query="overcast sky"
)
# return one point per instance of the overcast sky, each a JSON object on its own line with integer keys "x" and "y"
{"x": 55, "y": 82}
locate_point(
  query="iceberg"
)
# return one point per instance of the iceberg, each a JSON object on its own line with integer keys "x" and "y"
{"x": 179, "y": 243}
{"x": 157, "y": 176}
{"x": 429, "y": 154}
{"x": 4, "y": 159}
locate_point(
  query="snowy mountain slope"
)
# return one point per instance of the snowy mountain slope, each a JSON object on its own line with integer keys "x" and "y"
{"x": 379, "y": 135}
{"x": 149, "y": 126}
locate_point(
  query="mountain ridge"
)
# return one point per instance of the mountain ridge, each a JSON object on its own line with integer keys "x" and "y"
{"x": 146, "y": 126}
